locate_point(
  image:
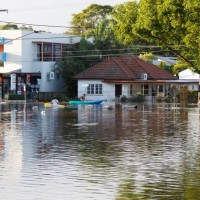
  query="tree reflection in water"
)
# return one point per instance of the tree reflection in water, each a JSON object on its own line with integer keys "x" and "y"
{"x": 148, "y": 153}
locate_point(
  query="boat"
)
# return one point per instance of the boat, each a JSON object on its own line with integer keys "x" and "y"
{"x": 76, "y": 102}
{"x": 130, "y": 106}
{"x": 50, "y": 105}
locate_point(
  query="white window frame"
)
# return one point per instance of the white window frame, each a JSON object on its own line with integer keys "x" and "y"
{"x": 95, "y": 89}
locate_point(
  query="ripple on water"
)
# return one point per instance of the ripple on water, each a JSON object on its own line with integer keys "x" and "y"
{"x": 97, "y": 153}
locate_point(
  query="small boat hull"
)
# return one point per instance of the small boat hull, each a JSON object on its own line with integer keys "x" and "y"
{"x": 76, "y": 102}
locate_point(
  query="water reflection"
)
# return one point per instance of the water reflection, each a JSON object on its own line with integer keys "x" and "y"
{"x": 92, "y": 152}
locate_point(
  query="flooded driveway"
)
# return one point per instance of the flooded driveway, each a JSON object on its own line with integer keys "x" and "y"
{"x": 109, "y": 152}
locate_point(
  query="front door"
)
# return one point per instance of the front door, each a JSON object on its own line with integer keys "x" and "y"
{"x": 118, "y": 90}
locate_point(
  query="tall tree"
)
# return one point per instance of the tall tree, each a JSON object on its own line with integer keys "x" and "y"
{"x": 66, "y": 69}
{"x": 124, "y": 19}
{"x": 170, "y": 24}
{"x": 86, "y": 21}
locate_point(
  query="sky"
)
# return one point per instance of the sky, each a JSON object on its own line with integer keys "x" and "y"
{"x": 46, "y": 12}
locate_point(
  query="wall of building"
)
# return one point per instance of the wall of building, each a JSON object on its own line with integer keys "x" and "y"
{"x": 21, "y": 49}
{"x": 13, "y": 50}
{"x": 108, "y": 92}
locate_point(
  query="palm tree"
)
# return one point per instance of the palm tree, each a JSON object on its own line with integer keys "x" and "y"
{"x": 66, "y": 69}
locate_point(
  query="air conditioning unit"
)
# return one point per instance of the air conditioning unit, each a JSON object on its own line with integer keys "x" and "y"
{"x": 50, "y": 75}
{"x": 144, "y": 76}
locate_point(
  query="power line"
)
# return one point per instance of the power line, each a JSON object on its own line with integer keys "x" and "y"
{"x": 106, "y": 50}
{"x": 10, "y": 40}
{"x": 81, "y": 56}
{"x": 42, "y": 25}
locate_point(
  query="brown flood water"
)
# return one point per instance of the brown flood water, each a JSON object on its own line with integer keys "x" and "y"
{"x": 92, "y": 152}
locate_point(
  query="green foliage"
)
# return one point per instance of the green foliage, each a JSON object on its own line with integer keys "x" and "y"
{"x": 148, "y": 57}
{"x": 173, "y": 25}
{"x": 124, "y": 19}
{"x": 105, "y": 40}
{"x": 16, "y": 97}
{"x": 88, "y": 54}
{"x": 192, "y": 96}
{"x": 167, "y": 68}
{"x": 66, "y": 69}
{"x": 180, "y": 66}
{"x": 85, "y": 22}
{"x": 9, "y": 26}
{"x": 29, "y": 28}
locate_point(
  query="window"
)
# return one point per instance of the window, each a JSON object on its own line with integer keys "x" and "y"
{"x": 160, "y": 88}
{"x": 145, "y": 89}
{"x": 94, "y": 89}
{"x": 192, "y": 87}
{"x": 47, "y": 52}
{"x": 131, "y": 90}
{"x": 52, "y": 51}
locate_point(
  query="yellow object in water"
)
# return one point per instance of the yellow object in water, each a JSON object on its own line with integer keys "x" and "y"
{"x": 49, "y": 105}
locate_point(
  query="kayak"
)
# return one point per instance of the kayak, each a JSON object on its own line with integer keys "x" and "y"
{"x": 49, "y": 105}
{"x": 76, "y": 102}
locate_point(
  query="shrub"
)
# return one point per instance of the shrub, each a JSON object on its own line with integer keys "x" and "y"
{"x": 16, "y": 97}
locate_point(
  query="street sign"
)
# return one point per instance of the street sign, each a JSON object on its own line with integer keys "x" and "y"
{"x": 173, "y": 91}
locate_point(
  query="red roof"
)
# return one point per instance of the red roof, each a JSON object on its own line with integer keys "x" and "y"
{"x": 124, "y": 68}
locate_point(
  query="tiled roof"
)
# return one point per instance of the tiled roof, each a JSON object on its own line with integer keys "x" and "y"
{"x": 127, "y": 68}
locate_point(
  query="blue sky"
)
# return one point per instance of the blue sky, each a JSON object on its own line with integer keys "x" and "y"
{"x": 47, "y": 12}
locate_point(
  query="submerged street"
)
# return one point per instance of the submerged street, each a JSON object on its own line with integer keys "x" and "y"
{"x": 92, "y": 152}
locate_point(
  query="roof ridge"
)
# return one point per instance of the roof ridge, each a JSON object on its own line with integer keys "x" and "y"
{"x": 138, "y": 61}
{"x": 127, "y": 71}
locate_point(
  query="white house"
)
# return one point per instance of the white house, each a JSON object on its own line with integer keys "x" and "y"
{"x": 125, "y": 75}
{"x": 190, "y": 79}
{"x": 28, "y": 57}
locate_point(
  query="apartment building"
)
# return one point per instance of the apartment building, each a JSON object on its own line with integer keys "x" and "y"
{"x": 27, "y": 60}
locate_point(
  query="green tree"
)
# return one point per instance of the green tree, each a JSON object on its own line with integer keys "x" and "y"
{"x": 168, "y": 24}
{"x": 166, "y": 67}
{"x": 29, "y": 28}
{"x": 9, "y": 26}
{"x": 66, "y": 69}
{"x": 104, "y": 39}
{"x": 85, "y": 22}
{"x": 149, "y": 57}
{"x": 124, "y": 19}
{"x": 180, "y": 66}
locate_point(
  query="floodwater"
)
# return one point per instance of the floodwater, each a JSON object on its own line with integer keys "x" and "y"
{"x": 97, "y": 153}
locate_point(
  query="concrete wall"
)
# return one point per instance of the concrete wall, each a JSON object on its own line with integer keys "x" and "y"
{"x": 22, "y": 53}
{"x": 108, "y": 90}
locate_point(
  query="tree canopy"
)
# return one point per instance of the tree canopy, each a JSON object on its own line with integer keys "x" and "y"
{"x": 171, "y": 24}
{"x": 85, "y": 22}
{"x": 10, "y": 26}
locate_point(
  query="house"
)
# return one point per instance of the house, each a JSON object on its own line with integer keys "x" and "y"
{"x": 125, "y": 75}
{"x": 190, "y": 79}
{"x": 27, "y": 60}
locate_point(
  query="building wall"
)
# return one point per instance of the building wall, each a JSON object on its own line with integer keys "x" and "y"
{"x": 13, "y": 50}
{"x": 109, "y": 89}
{"x": 188, "y": 74}
{"x": 108, "y": 92}
{"x": 21, "y": 49}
